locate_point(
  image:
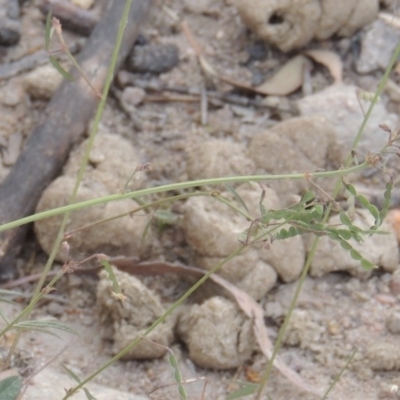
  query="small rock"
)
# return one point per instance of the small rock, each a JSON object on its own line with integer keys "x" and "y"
{"x": 274, "y": 309}
{"x": 111, "y": 163}
{"x": 55, "y": 309}
{"x": 126, "y": 320}
{"x": 302, "y": 330}
{"x": 384, "y": 355}
{"x": 154, "y": 58}
{"x": 203, "y": 327}
{"x": 85, "y": 4}
{"x": 42, "y": 82}
{"x": 213, "y": 230}
{"x": 393, "y": 323}
{"x": 377, "y": 47}
{"x": 303, "y": 144}
{"x": 291, "y": 24}
{"x": 10, "y": 26}
{"x": 132, "y": 96}
{"x": 339, "y": 104}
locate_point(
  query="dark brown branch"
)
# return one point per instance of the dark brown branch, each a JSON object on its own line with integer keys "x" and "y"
{"x": 63, "y": 123}
{"x": 72, "y": 17}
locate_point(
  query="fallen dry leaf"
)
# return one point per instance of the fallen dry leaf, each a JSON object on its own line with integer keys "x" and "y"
{"x": 288, "y": 79}
{"x": 330, "y": 60}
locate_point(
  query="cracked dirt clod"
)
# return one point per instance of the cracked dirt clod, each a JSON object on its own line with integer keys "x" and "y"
{"x": 302, "y": 144}
{"x": 124, "y": 321}
{"x": 291, "y": 24}
{"x": 218, "y": 335}
{"x": 111, "y": 162}
{"x": 213, "y": 230}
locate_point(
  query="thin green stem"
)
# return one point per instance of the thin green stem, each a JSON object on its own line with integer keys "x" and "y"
{"x": 336, "y": 380}
{"x": 176, "y": 187}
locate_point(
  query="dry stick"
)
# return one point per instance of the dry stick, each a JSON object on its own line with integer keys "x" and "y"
{"x": 63, "y": 124}
{"x": 71, "y": 16}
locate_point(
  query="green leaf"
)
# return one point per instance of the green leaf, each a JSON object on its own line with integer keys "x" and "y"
{"x": 245, "y": 389}
{"x": 44, "y": 325}
{"x": 115, "y": 285}
{"x": 345, "y": 220}
{"x": 10, "y": 388}
{"x": 344, "y": 233}
{"x": 355, "y": 255}
{"x": 346, "y": 245}
{"x": 48, "y": 32}
{"x": 367, "y": 264}
{"x": 60, "y": 69}
{"x": 363, "y": 201}
{"x": 350, "y": 188}
{"x": 307, "y": 197}
{"x": 318, "y": 212}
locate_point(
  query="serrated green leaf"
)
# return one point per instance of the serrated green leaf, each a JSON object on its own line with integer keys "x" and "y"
{"x": 115, "y": 285}
{"x": 60, "y": 69}
{"x": 10, "y": 388}
{"x": 48, "y": 31}
{"x": 237, "y": 196}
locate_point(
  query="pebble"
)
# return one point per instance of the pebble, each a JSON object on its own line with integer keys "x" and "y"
{"x": 132, "y": 96}
{"x": 85, "y": 4}
{"x": 393, "y": 323}
{"x": 153, "y": 58}
{"x": 377, "y": 47}
{"x": 42, "y": 82}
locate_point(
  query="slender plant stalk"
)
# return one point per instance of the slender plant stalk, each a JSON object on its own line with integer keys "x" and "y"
{"x": 176, "y": 187}
{"x": 279, "y": 341}
{"x": 336, "y": 380}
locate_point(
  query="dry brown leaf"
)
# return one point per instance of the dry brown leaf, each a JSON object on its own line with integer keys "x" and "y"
{"x": 288, "y": 79}
{"x": 330, "y": 60}
{"x": 248, "y": 305}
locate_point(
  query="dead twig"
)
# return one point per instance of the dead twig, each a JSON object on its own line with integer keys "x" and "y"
{"x": 71, "y": 16}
